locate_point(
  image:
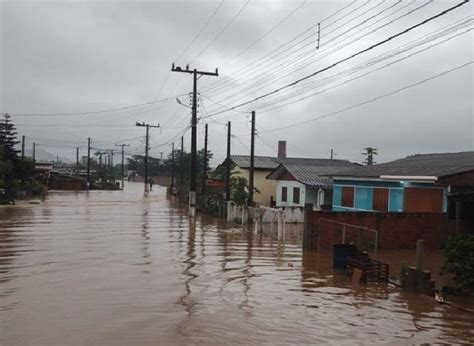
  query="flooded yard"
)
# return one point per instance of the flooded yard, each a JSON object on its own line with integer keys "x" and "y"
{"x": 118, "y": 268}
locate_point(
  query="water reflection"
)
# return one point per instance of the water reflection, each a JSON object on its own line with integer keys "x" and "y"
{"x": 110, "y": 268}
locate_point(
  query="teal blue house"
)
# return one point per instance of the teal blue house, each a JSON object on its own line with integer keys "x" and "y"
{"x": 418, "y": 183}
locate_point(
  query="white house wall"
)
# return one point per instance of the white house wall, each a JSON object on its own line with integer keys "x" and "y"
{"x": 290, "y": 185}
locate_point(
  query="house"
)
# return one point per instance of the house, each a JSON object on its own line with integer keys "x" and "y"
{"x": 425, "y": 183}
{"x": 263, "y": 165}
{"x": 304, "y": 180}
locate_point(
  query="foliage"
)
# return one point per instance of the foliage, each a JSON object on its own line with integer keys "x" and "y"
{"x": 137, "y": 163}
{"x": 459, "y": 254}
{"x": 238, "y": 189}
{"x": 182, "y": 165}
{"x": 15, "y": 174}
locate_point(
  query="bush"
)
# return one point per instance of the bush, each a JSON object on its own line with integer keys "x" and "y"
{"x": 459, "y": 254}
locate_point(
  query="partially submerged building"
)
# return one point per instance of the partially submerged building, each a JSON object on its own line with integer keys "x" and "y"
{"x": 419, "y": 183}
{"x": 305, "y": 180}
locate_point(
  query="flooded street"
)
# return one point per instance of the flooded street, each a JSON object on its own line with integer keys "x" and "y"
{"x": 117, "y": 268}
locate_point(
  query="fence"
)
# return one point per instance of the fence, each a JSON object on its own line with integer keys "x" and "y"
{"x": 330, "y": 232}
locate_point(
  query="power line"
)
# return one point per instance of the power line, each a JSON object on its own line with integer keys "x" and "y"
{"x": 221, "y": 32}
{"x": 201, "y": 31}
{"x": 372, "y": 99}
{"x": 287, "y": 69}
{"x": 94, "y": 112}
{"x": 347, "y": 58}
{"x": 268, "y": 32}
{"x": 262, "y": 59}
{"x": 329, "y": 80}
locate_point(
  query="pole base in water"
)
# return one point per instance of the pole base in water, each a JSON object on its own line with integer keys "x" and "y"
{"x": 192, "y": 203}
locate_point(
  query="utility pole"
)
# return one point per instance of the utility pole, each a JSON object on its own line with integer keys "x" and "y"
{"x": 77, "y": 160}
{"x": 181, "y": 163}
{"x": 172, "y": 167}
{"x": 111, "y": 161}
{"x": 147, "y": 147}
{"x": 370, "y": 152}
{"x": 34, "y": 151}
{"x": 332, "y": 153}
{"x": 22, "y": 147}
{"x": 88, "y": 163}
{"x": 193, "y": 182}
{"x": 252, "y": 157}
{"x": 227, "y": 174}
{"x": 204, "y": 176}
{"x": 123, "y": 160}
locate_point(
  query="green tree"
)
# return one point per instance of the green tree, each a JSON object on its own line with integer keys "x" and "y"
{"x": 15, "y": 174}
{"x": 239, "y": 189}
{"x": 459, "y": 254}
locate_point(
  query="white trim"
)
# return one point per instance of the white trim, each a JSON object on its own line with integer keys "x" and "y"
{"x": 409, "y": 177}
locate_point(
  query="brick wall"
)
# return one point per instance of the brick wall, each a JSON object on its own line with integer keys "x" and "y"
{"x": 395, "y": 230}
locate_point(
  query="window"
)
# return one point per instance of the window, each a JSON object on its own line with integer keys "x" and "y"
{"x": 284, "y": 194}
{"x": 296, "y": 195}
{"x": 348, "y": 197}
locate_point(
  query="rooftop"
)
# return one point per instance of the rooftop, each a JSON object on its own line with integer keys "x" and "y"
{"x": 312, "y": 172}
{"x": 433, "y": 165}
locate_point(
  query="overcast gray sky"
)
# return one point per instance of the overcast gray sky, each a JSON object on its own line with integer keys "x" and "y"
{"x": 85, "y": 56}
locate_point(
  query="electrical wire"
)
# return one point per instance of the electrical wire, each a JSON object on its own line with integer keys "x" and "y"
{"x": 390, "y": 38}
{"x": 372, "y": 99}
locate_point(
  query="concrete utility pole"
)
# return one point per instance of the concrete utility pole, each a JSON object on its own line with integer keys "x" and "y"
{"x": 205, "y": 164}
{"x": 22, "y": 147}
{"x": 172, "y": 167}
{"x": 123, "y": 161}
{"x": 252, "y": 159}
{"x": 193, "y": 182}
{"x": 228, "y": 163}
{"x": 34, "y": 151}
{"x": 147, "y": 148}
{"x": 88, "y": 162}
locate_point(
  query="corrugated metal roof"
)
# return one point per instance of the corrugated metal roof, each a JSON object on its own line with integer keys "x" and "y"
{"x": 312, "y": 172}
{"x": 437, "y": 165}
{"x": 260, "y": 162}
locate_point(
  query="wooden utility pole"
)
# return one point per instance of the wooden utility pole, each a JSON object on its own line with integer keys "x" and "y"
{"x": 77, "y": 160}
{"x": 332, "y": 153}
{"x": 228, "y": 163}
{"x": 123, "y": 161}
{"x": 252, "y": 157}
{"x": 22, "y": 147}
{"x": 147, "y": 148}
{"x": 193, "y": 180}
{"x": 181, "y": 163}
{"x": 205, "y": 164}
{"x": 34, "y": 151}
{"x": 172, "y": 168}
{"x": 88, "y": 163}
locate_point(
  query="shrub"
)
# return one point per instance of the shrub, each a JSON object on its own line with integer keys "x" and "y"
{"x": 459, "y": 254}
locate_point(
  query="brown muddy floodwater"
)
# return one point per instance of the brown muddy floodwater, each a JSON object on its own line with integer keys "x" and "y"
{"x": 117, "y": 268}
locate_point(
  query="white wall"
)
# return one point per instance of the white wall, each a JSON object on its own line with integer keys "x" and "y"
{"x": 290, "y": 185}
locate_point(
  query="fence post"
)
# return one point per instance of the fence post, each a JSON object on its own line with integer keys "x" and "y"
{"x": 280, "y": 223}
{"x": 308, "y": 226}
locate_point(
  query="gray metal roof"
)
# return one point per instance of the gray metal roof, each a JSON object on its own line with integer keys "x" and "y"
{"x": 437, "y": 165}
{"x": 260, "y": 162}
{"x": 312, "y": 172}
